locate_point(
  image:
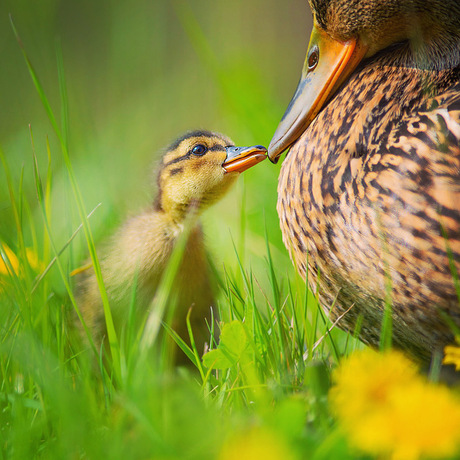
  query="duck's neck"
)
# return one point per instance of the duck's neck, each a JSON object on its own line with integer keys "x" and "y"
{"x": 179, "y": 213}
{"x": 439, "y": 51}
{"x": 432, "y": 36}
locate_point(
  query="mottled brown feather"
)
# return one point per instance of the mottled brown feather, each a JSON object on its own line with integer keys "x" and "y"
{"x": 367, "y": 194}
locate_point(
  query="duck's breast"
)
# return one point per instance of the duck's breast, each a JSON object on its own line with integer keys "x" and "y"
{"x": 370, "y": 189}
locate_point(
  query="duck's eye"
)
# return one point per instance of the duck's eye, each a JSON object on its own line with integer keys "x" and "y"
{"x": 199, "y": 150}
{"x": 313, "y": 57}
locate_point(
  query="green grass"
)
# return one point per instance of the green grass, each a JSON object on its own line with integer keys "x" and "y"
{"x": 269, "y": 372}
{"x": 74, "y": 173}
{"x": 57, "y": 404}
{"x": 93, "y": 110}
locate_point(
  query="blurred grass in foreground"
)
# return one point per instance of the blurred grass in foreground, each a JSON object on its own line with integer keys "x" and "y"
{"x": 262, "y": 391}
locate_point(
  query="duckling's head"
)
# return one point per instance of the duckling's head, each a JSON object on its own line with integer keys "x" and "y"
{"x": 197, "y": 170}
{"x": 347, "y": 31}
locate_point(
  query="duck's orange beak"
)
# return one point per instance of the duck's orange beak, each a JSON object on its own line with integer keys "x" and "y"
{"x": 241, "y": 158}
{"x": 327, "y": 65}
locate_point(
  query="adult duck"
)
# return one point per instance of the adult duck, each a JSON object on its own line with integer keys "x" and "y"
{"x": 369, "y": 193}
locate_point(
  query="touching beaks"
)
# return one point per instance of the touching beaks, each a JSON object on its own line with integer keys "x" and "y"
{"x": 241, "y": 158}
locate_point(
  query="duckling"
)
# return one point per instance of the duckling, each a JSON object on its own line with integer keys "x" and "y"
{"x": 195, "y": 172}
{"x": 369, "y": 192}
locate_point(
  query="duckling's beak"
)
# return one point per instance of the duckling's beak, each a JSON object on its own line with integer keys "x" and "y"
{"x": 241, "y": 158}
{"x": 327, "y": 65}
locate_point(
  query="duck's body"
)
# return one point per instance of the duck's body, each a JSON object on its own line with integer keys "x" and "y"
{"x": 369, "y": 190}
{"x": 196, "y": 171}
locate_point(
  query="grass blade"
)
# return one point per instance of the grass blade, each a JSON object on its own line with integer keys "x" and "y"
{"x": 111, "y": 333}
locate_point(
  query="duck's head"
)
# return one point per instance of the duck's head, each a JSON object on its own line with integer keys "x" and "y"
{"x": 347, "y": 31}
{"x": 198, "y": 169}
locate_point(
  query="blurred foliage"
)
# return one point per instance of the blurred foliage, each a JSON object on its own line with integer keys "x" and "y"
{"x": 138, "y": 73}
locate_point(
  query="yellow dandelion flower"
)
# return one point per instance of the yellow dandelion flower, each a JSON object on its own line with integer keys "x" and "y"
{"x": 364, "y": 380}
{"x": 425, "y": 420}
{"x": 385, "y": 407}
{"x": 11, "y": 258}
{"x": 34, "y": 262}
{"x": 255, "y": 444}
{"x": 452, "y": 355}
{"x": 360, "y": 396}
{"x": 9, "y": 261}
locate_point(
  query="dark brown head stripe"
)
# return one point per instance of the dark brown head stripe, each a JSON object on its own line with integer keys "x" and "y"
{"x": 217, "y": 148}
{"x": 213, "y": 148}
{"x": 175, "y": 171}
{"x": 188, "y": 135}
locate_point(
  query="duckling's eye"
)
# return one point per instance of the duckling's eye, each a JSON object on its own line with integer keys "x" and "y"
{"x": 313, "y": 57}
{"x": 199, "y": 150}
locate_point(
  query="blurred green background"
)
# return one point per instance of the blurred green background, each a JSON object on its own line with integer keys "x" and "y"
{"x": 139, "y": 73}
